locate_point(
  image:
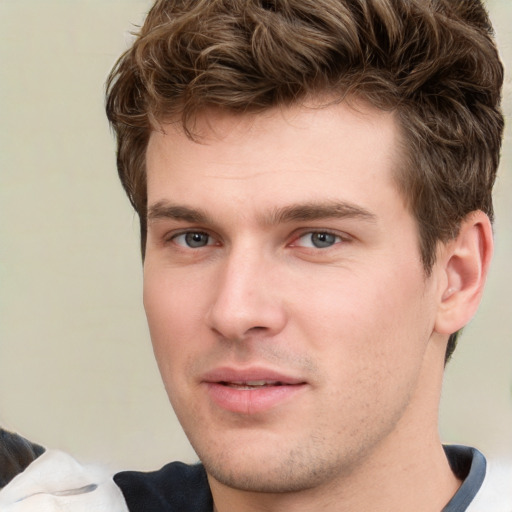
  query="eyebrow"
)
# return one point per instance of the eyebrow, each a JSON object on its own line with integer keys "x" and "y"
{"x": 292, "y": 213}
{"x": 164, "y": 210}
{"x": 317, "y": 211}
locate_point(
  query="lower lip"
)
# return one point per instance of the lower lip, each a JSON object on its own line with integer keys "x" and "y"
{"x": 251, "y": 401}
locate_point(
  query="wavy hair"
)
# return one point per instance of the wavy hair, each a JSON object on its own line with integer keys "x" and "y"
{"x": 433, "y": 62}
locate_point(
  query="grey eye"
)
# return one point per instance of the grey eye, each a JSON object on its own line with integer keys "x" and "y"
{"x": 196, "y": 239}
{"x": 193, "y": 239}
{"x": 322, "y": 240}
{"x": 318, "y": 240}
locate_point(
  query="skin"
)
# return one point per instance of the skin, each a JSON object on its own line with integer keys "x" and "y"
{"x": 280, "y": 242}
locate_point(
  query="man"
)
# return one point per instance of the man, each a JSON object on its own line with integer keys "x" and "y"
{"x": 313, "y": 182}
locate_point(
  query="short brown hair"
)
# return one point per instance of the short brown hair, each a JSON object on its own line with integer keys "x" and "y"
{"x": 433, "y": 62}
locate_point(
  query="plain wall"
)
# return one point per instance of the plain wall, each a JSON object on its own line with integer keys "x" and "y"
{"x": 76, "y": 365}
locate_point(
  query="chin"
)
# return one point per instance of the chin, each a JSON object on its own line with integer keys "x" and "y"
{"x": 263, "y": 479}
{"x": 269, "y": 469}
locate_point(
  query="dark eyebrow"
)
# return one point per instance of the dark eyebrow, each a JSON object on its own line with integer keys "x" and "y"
{"x": 292, "y": 213}
{"x": 163, "y": 210}
{"x": 318, "y": 211}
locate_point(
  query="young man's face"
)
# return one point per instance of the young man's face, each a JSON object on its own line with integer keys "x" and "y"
{"x": 288, "y": 307}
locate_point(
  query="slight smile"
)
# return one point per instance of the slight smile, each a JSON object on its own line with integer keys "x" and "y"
{"x": 250, "y": 391}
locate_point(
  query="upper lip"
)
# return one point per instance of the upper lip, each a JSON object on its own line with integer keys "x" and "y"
{"x": 244, "y": 375}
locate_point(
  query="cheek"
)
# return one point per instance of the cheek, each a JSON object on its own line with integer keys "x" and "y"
{"x": 370, "y": 345}
{"x": 172, "y": 300}
{"x": 174, "y": 312}
{"x": 372, "y": 320}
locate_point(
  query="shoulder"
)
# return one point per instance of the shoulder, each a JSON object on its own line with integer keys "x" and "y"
{"x": 16, "y": 453}
{"x": 175, "y": 487}
{"x": 56, "y": 481}
{"x": 486, "y": 484}
{"x": 495, "y": 494}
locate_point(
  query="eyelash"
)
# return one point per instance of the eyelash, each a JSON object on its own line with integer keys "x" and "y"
{"x": 338, "y": 238}
{"x": 186, "y": 233}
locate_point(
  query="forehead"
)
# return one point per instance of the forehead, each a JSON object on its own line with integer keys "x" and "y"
{"x": 299, "y": 153}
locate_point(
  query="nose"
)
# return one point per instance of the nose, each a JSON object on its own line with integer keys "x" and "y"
{"x": 247, "y": 299}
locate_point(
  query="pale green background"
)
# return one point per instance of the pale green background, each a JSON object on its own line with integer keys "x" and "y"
{"x": 76, "y": 367}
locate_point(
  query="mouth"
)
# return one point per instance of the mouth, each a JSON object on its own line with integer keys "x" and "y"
{"x": 251, "y": 391}
{"x": 253, "y": 384}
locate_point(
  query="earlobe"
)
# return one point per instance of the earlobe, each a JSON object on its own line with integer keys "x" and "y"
{"x": 464, "y": 263}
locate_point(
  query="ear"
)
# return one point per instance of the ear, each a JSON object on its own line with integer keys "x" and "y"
{"x": 464, "y": 264}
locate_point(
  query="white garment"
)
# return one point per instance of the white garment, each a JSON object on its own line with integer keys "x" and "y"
{"x": 55, "y": 482}
{"x": 495, "y": 495}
